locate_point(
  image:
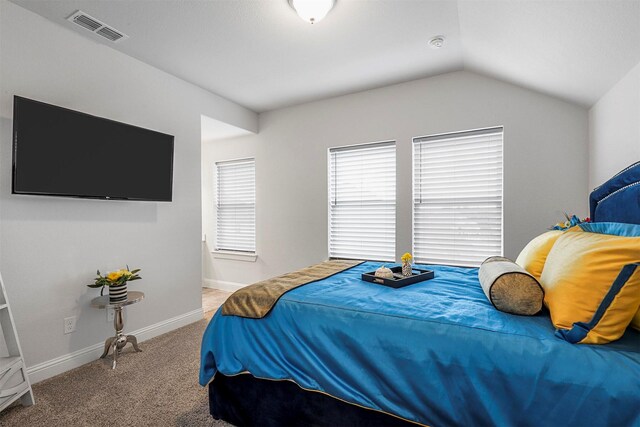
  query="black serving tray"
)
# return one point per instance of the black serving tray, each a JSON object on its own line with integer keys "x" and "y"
{"x": 399, "y": 281}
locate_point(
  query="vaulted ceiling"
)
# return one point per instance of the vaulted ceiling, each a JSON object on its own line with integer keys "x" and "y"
{"x": 260, "y": 54}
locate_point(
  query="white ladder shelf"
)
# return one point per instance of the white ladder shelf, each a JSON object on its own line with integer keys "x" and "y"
{"x": 14, "y": 382}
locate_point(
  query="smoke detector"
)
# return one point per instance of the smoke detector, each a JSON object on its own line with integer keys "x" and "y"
{"x": 96, "y": 26}
{"x": 437, "y": 42}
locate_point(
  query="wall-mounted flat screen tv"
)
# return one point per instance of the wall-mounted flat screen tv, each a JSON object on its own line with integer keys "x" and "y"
{"x": 61, "y": 152}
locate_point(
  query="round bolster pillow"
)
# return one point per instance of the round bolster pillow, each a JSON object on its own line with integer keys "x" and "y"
{"x": 509, "y": 287}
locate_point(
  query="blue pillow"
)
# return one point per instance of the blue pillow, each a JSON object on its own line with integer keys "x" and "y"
{"x": 618, "y": 199}
{"x": 612, "y": 228}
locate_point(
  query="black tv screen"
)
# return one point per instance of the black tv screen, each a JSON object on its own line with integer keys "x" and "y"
{"x": 61, "y": 152}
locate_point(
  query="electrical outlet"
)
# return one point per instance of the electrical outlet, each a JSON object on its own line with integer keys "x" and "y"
{"x": 110, "y": 314}
{"x": 69, "y": 324}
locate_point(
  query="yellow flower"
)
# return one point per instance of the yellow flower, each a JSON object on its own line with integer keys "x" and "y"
{"x": 114, "y": 275}
{"x": 406, "y": 257}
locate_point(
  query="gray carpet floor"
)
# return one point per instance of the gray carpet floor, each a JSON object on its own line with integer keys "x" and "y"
{"x": 157, "y": 387}
{"x": 213, "y": 298}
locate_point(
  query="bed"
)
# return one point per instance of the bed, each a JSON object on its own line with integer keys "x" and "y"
{"x": 340, "y": 351}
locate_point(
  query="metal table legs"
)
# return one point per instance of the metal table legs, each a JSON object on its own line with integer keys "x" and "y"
{"x": 117, "y": 343}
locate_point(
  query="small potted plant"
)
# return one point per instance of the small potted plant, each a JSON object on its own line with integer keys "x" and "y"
{"x": 116, "y": 281}
{"x": 406, "y": 264}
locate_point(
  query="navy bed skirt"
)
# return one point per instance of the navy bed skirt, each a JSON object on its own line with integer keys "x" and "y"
{"x": 244, "y": 400}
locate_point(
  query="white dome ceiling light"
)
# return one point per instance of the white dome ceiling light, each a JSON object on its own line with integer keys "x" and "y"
{"x": 312, "y": 11}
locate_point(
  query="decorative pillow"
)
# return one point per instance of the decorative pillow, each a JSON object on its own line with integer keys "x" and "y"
{"x": 509, "y": 287}
{"x": 635, "y": 322}
{"x": 534, "y": 255}
{"x": 591, "y": 280}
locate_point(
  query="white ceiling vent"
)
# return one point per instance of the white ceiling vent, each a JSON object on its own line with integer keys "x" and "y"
{"x": 95, "y": 26}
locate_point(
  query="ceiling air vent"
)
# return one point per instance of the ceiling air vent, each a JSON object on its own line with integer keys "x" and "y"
{"x": 110, "y": 34}
{"x": 95, "y": 26}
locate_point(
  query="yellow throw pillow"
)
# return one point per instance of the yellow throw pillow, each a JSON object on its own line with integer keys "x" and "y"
{"x": 592, "y": 282}
{"x": 534, "y": 255}
{"x": 635, "y": 322}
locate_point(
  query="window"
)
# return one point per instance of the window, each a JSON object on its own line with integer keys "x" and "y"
{"x": 457, "y": 197}
{"x": 362, "y": 202}
{"x": 236, "y": 206}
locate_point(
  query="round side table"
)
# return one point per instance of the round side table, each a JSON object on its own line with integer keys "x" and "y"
{"x": 117, "y": 343}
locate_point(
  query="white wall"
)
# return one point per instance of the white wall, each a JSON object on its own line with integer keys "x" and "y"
{"x": 51, "y": 247}
{"x": 614, "y": 129}
{"x": 545, "y": 166}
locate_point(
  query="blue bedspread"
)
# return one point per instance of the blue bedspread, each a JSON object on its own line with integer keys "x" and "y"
{"x": 436, "y": 352}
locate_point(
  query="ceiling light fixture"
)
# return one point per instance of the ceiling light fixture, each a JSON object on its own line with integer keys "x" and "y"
{"x": 312, "y": 11}
{"x": 437, "y": 42}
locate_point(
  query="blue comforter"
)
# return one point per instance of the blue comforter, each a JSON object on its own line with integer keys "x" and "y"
{"x": 436, "y": 352}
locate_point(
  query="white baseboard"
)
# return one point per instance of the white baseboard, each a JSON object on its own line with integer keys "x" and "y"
{"x": 61, "y": 364}
{"x": 222, "y": 285}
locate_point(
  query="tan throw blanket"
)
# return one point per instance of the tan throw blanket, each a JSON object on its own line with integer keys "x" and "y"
{"x": 256, "y": 301}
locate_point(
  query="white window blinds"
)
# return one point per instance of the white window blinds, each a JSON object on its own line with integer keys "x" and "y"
{"x": 236, "y": 206}
{"x": 457, "y": 186}
{"x": 362, "y": 202}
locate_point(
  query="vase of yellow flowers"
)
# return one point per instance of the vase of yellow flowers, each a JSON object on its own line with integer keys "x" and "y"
{"x": 116, "y": 281}
{"x": 406, "y": 264}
